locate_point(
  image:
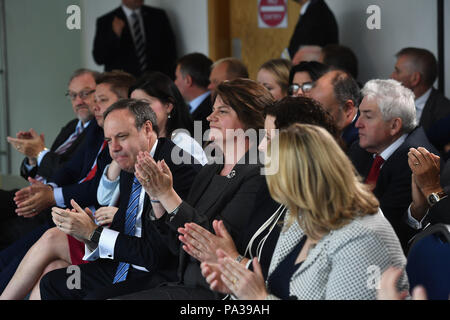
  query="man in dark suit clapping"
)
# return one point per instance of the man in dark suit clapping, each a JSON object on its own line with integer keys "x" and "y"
{"x": 131, "y": 248}
{"x": 387, "y": 131}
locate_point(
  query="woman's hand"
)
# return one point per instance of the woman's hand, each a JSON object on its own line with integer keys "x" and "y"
{"x": 244, "y": 284}
{"x": 202, "y": 244}
{"x": 212, "y": 275}
{"x": 105, "y": 215}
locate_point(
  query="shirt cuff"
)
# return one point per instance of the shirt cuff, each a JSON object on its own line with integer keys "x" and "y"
{"x": 41, "y": 156}
{"x": 59, "y": 198}
{"x": 412, "y": 222}
{"x": 107, "y": 243}
{"x": 28, "y": 166}
{"x": 90, "y": 255}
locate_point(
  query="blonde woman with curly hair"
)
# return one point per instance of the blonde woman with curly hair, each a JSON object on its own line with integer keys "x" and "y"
{"x": 335, "y": 241}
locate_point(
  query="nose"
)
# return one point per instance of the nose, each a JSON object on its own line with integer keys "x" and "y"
{"x": 211, "y": 117}
{"x": 114, "y": 146}
{"x": 358, "y": 123}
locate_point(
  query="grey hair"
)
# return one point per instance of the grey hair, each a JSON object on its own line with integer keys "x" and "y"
{"x": 394, "y": 101}
{"x": 79, "y": 72}
{"x": 141, "y": 110}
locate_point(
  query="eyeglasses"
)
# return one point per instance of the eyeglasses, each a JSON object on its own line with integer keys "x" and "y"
{"x": 82, "y": 94}
{"x": 306, "y": 87}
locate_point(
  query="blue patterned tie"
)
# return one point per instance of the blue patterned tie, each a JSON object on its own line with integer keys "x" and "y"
{"x": 130, "y": 225}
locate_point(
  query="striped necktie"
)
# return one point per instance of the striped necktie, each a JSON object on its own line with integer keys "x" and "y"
{"x": 66, "y": 145}
{"x": 130, "y": 226}
{"x": 139, "y": 42}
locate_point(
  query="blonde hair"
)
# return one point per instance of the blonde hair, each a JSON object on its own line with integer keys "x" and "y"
{"x": 280, "y": 69}
{"x": 317, "y": 181}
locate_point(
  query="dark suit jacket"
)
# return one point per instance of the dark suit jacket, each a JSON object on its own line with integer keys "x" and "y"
{"x": 120, "y": 53}
{"x": 78, "y": 167}
{"x": 233, "y": 205}
{"x": 436, "y": 108}
{"x": 52, "y": 161}
{"x": 393, "y": 189}
{"x": 151, "y": 250}
{"x": 202, "y": 112}
{"x": 350, "y": 133}
{"x": 317, "y": 26}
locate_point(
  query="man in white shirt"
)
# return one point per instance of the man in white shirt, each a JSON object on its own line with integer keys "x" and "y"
{"x": 416, "y": 69}
{"x": 131, "y": 248}
{"x": 387, "y": 130}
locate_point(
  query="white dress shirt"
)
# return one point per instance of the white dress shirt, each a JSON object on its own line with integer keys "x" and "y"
{"x": 420, "y": 104}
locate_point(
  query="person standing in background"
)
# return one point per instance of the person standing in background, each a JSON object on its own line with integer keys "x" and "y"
{"x": 135, "y": 38}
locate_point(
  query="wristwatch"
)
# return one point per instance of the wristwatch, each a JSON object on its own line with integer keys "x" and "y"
{"x": 95, "y": 236}
{"x": 435, "y": 197}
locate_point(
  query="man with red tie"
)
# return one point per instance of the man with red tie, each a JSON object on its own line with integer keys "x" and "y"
{"x": 387, "y": 130}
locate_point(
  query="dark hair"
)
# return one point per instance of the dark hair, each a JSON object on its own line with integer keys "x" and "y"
{"x": 140, "y": 109}
{"x": 346, "y": 88}
{"x": 423, "y": 61}
{"x": 340, "y": 57}
{"x": 81, "y": 71}
{"x": 313, "y": 68}
{"x": 301, "y": 109}
{"x": 248, "y": 98}
{"x": 198, "y": 66}
{"x": 235, "y": 68}
{"x": 160, "y": 86}
{"x": 119, "y": 81}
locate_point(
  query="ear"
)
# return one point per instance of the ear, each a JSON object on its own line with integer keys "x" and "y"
{"x": 396, "y": 126}
{"x": 148, "y": 128}
{"x": 169, "y": 107}
{"x": 349, "y": 109}
{"x": 416, "y": 78}
{"x": 188, "y": 80}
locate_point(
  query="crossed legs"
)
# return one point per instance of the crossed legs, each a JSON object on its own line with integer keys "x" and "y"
{"x": 50, "y": 252}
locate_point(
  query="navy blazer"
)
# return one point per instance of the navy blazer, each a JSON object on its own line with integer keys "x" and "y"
{"x": 120, "y": 53}
{"x": 151, "y": 250}
{"x": 52, "y": 161}
{"x": 393, "y": 188}
{"x": 78, "y": 167}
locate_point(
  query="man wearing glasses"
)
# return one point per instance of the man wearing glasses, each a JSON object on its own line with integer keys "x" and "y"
{"x": 40, "y": 162}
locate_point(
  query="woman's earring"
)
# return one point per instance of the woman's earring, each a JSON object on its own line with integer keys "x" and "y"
{"x": 169, "y": 116}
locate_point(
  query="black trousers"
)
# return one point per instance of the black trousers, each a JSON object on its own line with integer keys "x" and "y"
{"x": 96, "y": 282}
{"x": 171, "y": 291}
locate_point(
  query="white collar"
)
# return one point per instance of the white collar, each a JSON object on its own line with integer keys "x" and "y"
{"x": 152, "y": 152}
{"x": 422, "y": 100}
{"x": 129, "y": 12}
{"x": 393, "y": 147}
{"x": 304, "y": 7}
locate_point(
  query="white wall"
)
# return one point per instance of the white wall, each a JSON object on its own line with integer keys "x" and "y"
{"x": 189, "y": 20}
{"x": 42, "y": 53}
{"x": 404, "y": 23}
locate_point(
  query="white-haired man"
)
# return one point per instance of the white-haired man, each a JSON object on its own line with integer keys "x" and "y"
{"x": 387, "y": 130}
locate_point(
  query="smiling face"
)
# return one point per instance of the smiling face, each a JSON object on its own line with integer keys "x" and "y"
{"x": 104, "y": 98}
{"x": 162, "y": 110}
{"x": 125, "y": 141}
{"x": 223, "y": 121}
{"x": 82, "y": 107}
{"x": 267, "y": 79}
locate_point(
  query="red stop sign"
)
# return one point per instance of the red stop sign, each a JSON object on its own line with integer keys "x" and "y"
{"x": 272, "y": 12}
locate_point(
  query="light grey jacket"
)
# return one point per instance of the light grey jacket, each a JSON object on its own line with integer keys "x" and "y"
{"x": 346, "y": 263}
